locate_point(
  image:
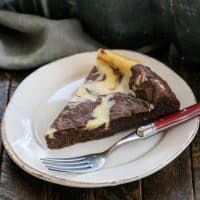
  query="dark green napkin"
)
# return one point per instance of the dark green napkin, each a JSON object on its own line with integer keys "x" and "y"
{"x": 28, "y": 41}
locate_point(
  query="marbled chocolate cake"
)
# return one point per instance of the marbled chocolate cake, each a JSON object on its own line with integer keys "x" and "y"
{"x": 118, "y": 94}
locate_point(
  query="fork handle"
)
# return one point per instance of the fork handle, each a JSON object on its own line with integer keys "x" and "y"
{"x": 158, "y": 126}
{"x": 169, "y": 121}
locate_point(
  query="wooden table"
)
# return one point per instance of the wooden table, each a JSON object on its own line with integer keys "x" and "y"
{"x": 179, "y": 180}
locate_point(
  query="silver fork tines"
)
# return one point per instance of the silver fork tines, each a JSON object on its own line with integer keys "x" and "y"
{"x": 78, "y": 164}
{"x": 83, "y": 164}
{"x": 64, "y": 159}
{"x": 88, "y": 163}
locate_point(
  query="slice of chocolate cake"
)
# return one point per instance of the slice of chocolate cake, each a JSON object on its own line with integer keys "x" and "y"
{"x": 118, "y": 94}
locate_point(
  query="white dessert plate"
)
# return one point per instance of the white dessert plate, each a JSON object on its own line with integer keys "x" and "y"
{"x": 40, "y": 97}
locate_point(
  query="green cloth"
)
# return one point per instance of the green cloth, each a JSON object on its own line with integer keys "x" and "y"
{"x": 28, "y": 41}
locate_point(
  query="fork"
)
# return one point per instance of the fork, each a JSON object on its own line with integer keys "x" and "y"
{"x": 94, "y": 162}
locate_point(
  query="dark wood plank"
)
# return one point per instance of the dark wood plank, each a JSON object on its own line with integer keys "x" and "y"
{"x": 15, "y": 183}
{"x": 193, "y": 79}
{"x": 130, "y": 191}
{"x": 57, "y": 192}
{"x": 4, "y": 90}
{"x": 196, "y": 165}
{"x": 172, "y": 182}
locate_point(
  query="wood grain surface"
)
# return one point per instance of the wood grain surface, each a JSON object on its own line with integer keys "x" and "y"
{"x": 180, "y": 180}
{"x": 4, "y": 92}
{"x": 173, "y": 182}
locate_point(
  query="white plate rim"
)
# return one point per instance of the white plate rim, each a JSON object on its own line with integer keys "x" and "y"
{"x": 65, "y": 182}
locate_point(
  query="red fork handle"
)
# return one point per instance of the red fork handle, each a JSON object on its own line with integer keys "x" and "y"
{"x": 169, "y": 121}
{"x": 178, "y": 117}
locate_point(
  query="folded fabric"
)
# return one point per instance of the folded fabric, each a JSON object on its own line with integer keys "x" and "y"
{"x": 54, "y": 9}
{"x": 28, "y": 41}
